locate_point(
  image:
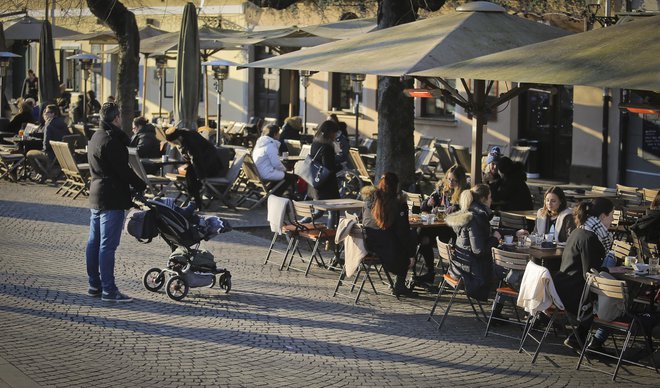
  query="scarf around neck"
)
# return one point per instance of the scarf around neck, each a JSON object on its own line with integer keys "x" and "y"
{"x": 593, "y": 224}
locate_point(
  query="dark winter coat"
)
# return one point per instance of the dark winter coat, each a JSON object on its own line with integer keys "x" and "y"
{"x": 647, "y": 228}
{"x": 146, "y": 143}
{"x": 330, "y": 188}
{"x": 512, "y": 192}
{"x": 111, "y": 175}
{"x": 202, "y": 154}
{"x": 394, "y": 245}
{"x": 473, "y": 260}
{"x": 583, "y": 251}
{"x": 17, "y": 122}
{"x": 55, "y": 130}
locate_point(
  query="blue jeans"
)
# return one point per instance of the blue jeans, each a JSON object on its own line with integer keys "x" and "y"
{"x": 105, "y": 228}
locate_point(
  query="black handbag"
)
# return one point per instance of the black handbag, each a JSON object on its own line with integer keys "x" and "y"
{"x": 312, "y": 171}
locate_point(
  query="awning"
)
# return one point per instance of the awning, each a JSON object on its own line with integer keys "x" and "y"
{"x": 621, "y": 56}
{"x": 29, "y": 28}
{"x": 419, "y": 45}
{"x": 109, "y": 37}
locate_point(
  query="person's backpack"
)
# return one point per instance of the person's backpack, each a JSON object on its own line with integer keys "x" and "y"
{"x": 141, "y": 224}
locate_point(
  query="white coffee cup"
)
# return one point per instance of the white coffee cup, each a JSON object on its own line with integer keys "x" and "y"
{"x": 508, "y": 239}
{"x": 549, "y": 237}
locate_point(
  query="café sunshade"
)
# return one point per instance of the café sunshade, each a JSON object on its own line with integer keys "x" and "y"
{"x": 479, "y": 28}
{"x": 29, "y": 28}
{"x": 188, "y": 71}
{"x": 621, "y": 56}
{"x": 109, "y": 37}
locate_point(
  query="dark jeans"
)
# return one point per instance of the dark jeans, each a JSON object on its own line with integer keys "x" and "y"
{"x": 105, "y": 227}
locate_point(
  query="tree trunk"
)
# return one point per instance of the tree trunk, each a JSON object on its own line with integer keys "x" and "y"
{"x": 396, "y": 151}
{"x": 122, "y": 22}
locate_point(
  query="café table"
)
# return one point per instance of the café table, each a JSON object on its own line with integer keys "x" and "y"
{"x": 160, "y": 163}
{"x": 542, "y": 256}
{"x": 589, "y": 194}
{"x": 637, "y": 280}
{"x": 25, "y": 144}
{"x": 530, "y": 215}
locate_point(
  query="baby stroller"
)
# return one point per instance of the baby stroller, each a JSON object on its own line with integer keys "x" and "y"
{"x": 188, "y": 266}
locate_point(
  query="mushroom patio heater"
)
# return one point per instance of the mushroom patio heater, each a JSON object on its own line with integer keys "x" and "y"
{"x": 304, "y": 81}
{"x": 5, "y": 60}
{"x": 357, "y": 89}
{"x": 220, "y": 73}
{"x": 86, "y": 61}
{"x": 161, "y": 64}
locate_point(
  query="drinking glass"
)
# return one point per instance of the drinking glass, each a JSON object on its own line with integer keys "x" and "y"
{"x": 654, "y": 265}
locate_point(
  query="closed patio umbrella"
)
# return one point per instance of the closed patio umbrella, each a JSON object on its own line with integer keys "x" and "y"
{"x": 49, "y": 85}
{"x": 188, "y": 71}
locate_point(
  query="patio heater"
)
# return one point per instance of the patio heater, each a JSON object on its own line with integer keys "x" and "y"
{"x": 161, "y": 64}
{"x": 86, "y": 61}
{"x": 220, "y": 73}
{"x": 304, "y": 81}
{"x": 5, "y": 60}
{"x": 357, "y": 89}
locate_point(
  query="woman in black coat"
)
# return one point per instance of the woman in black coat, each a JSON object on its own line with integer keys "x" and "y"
{"x": 385, "y": 218}
{"x": 23, "y": 117}
{"x": 291, "y": 131}
{"x": 511, "y": 191}
{"x": 473, "y": 260}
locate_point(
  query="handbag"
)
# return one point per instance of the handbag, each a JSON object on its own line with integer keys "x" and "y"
{"x": 312, "y": 171}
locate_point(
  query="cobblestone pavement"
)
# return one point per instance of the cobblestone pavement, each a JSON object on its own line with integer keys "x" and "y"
{"x": 273, "y": 329}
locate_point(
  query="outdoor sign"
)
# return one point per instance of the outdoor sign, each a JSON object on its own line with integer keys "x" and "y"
{"x": 651, "y": 136}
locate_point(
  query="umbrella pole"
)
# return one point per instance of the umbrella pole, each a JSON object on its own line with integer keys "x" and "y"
{"x": 144, "y": 86}
{"x": 2, "y": 94}
{"x": 218, "y": 86}
{"x": 206, "y": 99}
{"x": 357, "y": 119}
{"x": 478, "y": 124}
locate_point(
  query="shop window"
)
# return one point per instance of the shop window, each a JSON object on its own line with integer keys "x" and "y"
{"x": 343, "y": 96}
{"x": 439, "y": 107}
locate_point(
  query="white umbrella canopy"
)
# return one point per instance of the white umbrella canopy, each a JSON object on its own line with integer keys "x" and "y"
{"x": 476, "y": 29}
{"x": 29, "y": 28}
{"x": 621, "y": 56}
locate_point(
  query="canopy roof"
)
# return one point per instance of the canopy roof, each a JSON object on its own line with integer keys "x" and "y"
{"x": 621, "y": 56}
{"x": 29, "y": 28}
{"x": 419, "y": 45}
{"x": 109, "y": 37}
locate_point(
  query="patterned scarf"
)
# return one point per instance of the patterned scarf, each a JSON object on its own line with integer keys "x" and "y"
{"x": 593, "y": 224}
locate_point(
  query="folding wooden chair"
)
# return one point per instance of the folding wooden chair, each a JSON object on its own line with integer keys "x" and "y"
{"x": 509, "y": 261}
{"x": 257, "y": 190}
{"x": 462, "y": 156}
{"x": 360, "y": 167}
{"x": 414, "y": 201}
{"x": 366, "y": 265}
{"x": 315, "y": 234}
{"x": 155, "y": 184}
{"x": 458, "y": 285}
{"x": 294, "y": 147}
{"x": 616, "y": 290}
{"x": 445, "y": 156}
{"x": 282, "y": 220}
{"x": 649, "y": 195}
{"x": 621, "y": 249}
{"x": 9, "y": 164}
{"x": 520, "y": 154}
{"x": 512, "y": 222}
{"x": 221, "y": 187}
{"x": 631, "y": 196}
{"x": 539, "y": 279}
{"x": 76, "y": 174}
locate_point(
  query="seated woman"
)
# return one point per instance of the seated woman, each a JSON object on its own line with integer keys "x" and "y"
{"x": 144, "y": 139}
{"x": 290, "y": 131}
{"x": 555, "y": 217}
{"x": 585, "y": 249}
{"x": 385, "y": 218}
{"x": 22, "y": 118}
{"x": 267, "y": 160}
{"x": 43, "y": 161}
{"x": 473, "y": 260}
{"x": 205, "y": 159}
{"x": 446, "y": 194}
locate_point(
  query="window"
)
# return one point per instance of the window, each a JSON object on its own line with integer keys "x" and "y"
{"x": 439, "y": 107}
{"x": 69, "y": 70}
{"x": 168, "y": 82}
{"x": 343, "y": 95}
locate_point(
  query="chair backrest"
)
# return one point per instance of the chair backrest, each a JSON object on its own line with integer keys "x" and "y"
{"x": 445, "y": 155}
{"x": 510, "y": 260}
{"x": 520, "y": 154}
{"x": 462, "y": 156}
{"x": 305, "y": 150}
{"x": 617, "y": 216}
{"x": 513, "y": 221}
{"x": 275, "y": 205}
{"x": 445, "y": 250}
{"x": 601, "y": 286}
{"x": 537, "y": 196}
{"x": 358, "y": 163}
{"x": 645, "y": 250}
{"x": 66, "y": 159}
{"x": 414, "y": 201}
{"x": 137, "y": 166}
{"x": 236, "y": 165}
{"x": 649, "y": 194}
{"x": 422, "y": 158}
{"x": 621, "y": 249}
{"x": 424, "y": 142}
{"x": 75, "y": 141}
{"x": 293, "y": 146}
{"x": 311, "y": 127}
{"x": 630, "y": 195}
{"x": 305, "y": 209}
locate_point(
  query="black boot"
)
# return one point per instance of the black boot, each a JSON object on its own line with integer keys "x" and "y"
{"x": 400, "y": 288}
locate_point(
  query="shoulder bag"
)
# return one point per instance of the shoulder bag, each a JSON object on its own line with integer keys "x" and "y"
{"x": 312, "y": 171}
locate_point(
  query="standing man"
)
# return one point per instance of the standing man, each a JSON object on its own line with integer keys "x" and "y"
{"x": 109, "y": 197}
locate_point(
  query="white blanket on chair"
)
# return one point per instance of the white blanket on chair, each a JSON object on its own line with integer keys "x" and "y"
{"x": 354, "y": 249}
{"x": 276, "y": 209}
{"x": 537, "y": 291}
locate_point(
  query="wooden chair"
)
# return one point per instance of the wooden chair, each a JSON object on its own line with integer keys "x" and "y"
{"x": 155, "y": 184}
{"x": 423, "y": 167}
{"x": 424, "y": 142}
{"x": 294, "y": 147}
{"x": 316, "y": 234}
{"x": 621, "y": 249}
{"x": 512, "y": 222}
{"x": 462, "y": 157}
{"x": 257, "y": 190}
{"x": 448, "y": 281}
{"x": 360, "y": 167}
{"x": 650, "y": 194}
{"x": 305, "y": 150}
{"x": 519, "y": 154}
{"x": 76, "y": 175}
{"x": 445, "y": 156}
{"x": 221, "y": 187}
{"x": 509, "y": 261}
{"x": 615, "y": 290}
{"x": 9, "y": 165}
{"x": 539, "y": 278}
{"x": 368, "y": 264}
{"x": 631, "y": 196}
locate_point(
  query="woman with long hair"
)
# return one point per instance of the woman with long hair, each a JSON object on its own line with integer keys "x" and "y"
{"x": 448, "y": 190}
{"x": 555, "y": 217}
{"x": 22, "y": 118}
{"x": 385, "y": 217}
{"x": 585, "y": 249}
{"x": 473, "y": 259}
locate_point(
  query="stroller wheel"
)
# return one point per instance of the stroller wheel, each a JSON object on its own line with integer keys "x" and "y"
{"x": 177, "y": 288}
{"x": 213, "y": 281}
{"x": 225, "y": 282}
{"x": 153, "y": 279}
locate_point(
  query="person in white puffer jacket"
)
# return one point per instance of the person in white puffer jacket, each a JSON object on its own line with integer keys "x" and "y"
{"x": 267, "y": 160}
